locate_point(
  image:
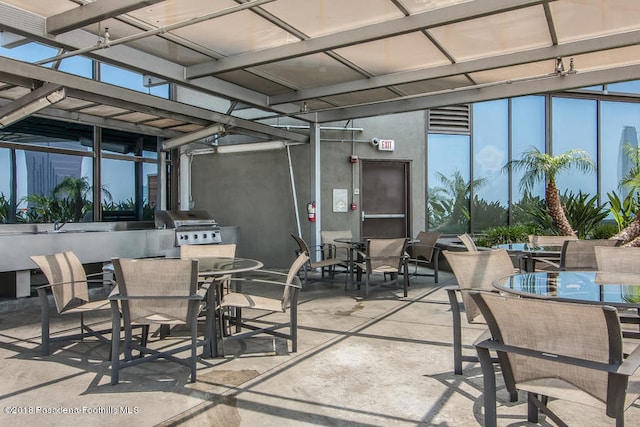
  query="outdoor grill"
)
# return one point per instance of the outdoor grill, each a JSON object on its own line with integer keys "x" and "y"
{"x": 192, "y": 227}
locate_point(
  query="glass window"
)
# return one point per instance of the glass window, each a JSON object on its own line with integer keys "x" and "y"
{"x": 620, "y": 122}
{"x": 625, "y": 87}
{"x": 130, "y": 80}
{"x": 53, "y": 187}
{"x": 29, "y": 52}
{"x": 5, "y": 185}
{"x": 575, "y": 125}
{"x": 448, "y": 183}
{"x": 528, "y": 126}
{"x": 78, "y": 65}
{"x": 490, "y": 154}
{"x": 118, "y": 190}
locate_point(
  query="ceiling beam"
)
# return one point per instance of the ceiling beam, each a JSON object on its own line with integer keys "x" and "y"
{"x": 107, "y": 94}
{"x": 532, "y": 86}
{"x": 32, "y": 26}
{"x": 533, "y": 55}
{"x": 91, "y": 13}
{"x": 395, "y": 27}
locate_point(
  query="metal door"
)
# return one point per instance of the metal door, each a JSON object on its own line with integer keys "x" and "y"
{"x": 384, "y": 198}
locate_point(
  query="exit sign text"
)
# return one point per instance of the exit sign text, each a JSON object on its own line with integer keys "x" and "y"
{"x": 386, "y": 145}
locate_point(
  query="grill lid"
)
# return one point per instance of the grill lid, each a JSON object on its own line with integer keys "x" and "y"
{"x": 177, "y": 219}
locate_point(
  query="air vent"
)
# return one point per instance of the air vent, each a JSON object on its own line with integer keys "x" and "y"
{"x": 452, "y": 119}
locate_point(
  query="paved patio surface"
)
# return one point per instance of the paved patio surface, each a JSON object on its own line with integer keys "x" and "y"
{"x": 380, "y": 361}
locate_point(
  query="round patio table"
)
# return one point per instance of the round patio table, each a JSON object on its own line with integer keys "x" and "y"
{"x": 616, "y": 289}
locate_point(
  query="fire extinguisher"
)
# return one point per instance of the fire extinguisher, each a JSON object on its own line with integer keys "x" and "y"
{"x": 311, "y": 211}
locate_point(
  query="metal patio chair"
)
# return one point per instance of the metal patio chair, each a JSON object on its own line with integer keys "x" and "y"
{"x": 468, "y": 242}
{"x": 384, "y": 256}
{"x": 161, "y": 291}
{"x": 577, "y": 254}
{"x": 255, "y": 301}
{"x": 68, "y": 283}
{"x": 425, "y": 252}
{"x": 325, "y": 264}
{"x": 542, "y": 353}
{"x": 472, "y": 270}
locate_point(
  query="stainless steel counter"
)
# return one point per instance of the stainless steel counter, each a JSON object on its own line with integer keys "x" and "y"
{"x": 91, "y": 245}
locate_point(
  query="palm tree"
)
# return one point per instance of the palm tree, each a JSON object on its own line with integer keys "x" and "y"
{"x": 459, "y": 191}
{"x": 77, "y": 189}
{"x": 538, "y": 166}
{"x": 630, "y": 235}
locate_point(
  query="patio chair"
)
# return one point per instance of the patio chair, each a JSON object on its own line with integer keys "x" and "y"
{"x": 324, "y": 264}
{"x": 577, "y": 254}
{"x": 161, "y": 291}
{"x": 626, "y": 260}
{"x": 546, "y": 356}
{"x": 68, "y": 283}
{"x": 385, "y": 256}
{"x": 618, "y": 259}
{"x": 472, "y": 270}
{"x": 221, "y": 284}
{"x": 425, "y": 251}
{"x": 468, "y": 242}
{"x": 333, "y": 249}
{"x": 289, "y": 301}
{"x": 549, "y": 262}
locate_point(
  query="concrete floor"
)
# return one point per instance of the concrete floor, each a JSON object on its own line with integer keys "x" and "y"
{"x": 383, "y": 361}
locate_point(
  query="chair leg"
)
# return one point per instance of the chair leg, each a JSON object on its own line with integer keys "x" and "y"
{"x": 532, "y": 409}
{"x": 115, "y": 343}
{"x": 457, "y": 333}
{"x": 294, "y": 328}
{"x": 194, "y": 345}
{"x": 489, "y": 385}
{"x": 44, "y": 322}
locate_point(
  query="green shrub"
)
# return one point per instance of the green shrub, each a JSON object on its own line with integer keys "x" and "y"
{"x": 507, "y": 234}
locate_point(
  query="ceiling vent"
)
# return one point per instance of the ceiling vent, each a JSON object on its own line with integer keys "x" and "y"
{"x": 452, "y": 119}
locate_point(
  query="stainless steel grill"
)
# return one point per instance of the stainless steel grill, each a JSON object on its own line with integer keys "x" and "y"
{"x": 195, "y": 227}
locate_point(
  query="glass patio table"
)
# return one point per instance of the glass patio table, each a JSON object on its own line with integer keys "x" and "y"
{"x": 527, "y": 252}
{"x": 620, "y": 290}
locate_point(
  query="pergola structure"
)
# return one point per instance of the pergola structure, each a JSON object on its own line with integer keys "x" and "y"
{"x": 312, "y": 61}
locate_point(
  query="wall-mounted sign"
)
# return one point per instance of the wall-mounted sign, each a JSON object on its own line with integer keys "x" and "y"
{"x": 386, "y": 145}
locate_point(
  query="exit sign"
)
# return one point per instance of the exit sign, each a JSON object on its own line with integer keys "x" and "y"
{"x": 386, "y": 145}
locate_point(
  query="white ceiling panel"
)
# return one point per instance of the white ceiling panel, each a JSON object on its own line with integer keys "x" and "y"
{"x": 321, "y": 60}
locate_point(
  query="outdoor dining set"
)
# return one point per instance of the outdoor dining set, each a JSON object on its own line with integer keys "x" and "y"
{"x": 562, "y": 316}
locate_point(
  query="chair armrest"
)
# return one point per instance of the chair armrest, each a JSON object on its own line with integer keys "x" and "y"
{"x": 551, "y": 262}
{"x": 119, "y": 297}
{"x": 50, "y": 285}
{"x": 491, "y": 344}
{"x": 270, "y": 282}
{"x": 631, "y": 363}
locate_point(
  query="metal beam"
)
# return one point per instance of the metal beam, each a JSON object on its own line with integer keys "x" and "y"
{"x": 396, "y": 27}
{"x": 91, "y": 13}
{"x": 32, "y": 26}
{"x": 507, "y": 89}
{"x": 533, "y": 55}
{"x": 92, "y": 90}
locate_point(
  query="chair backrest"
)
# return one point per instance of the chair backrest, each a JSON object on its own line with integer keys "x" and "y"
{"x": 329, "y": 237}
{"x": 426, "y": 244}
{"x": 468, "y": 242}
{"x": 478, "y": 270}
{"x": 385, "y": 253}
{"x": 293, "y": 279}
{"x": 156, "y": 277}
{"x": 593, "y": 333}
{"x": 580, "y": 254}
{"x": 618, "y": 259}
{"x": 302, "y": 245}
{"x": 195, "y": 251}
{"x": 64, "y": 268}
{"x": 542, "y": 240}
